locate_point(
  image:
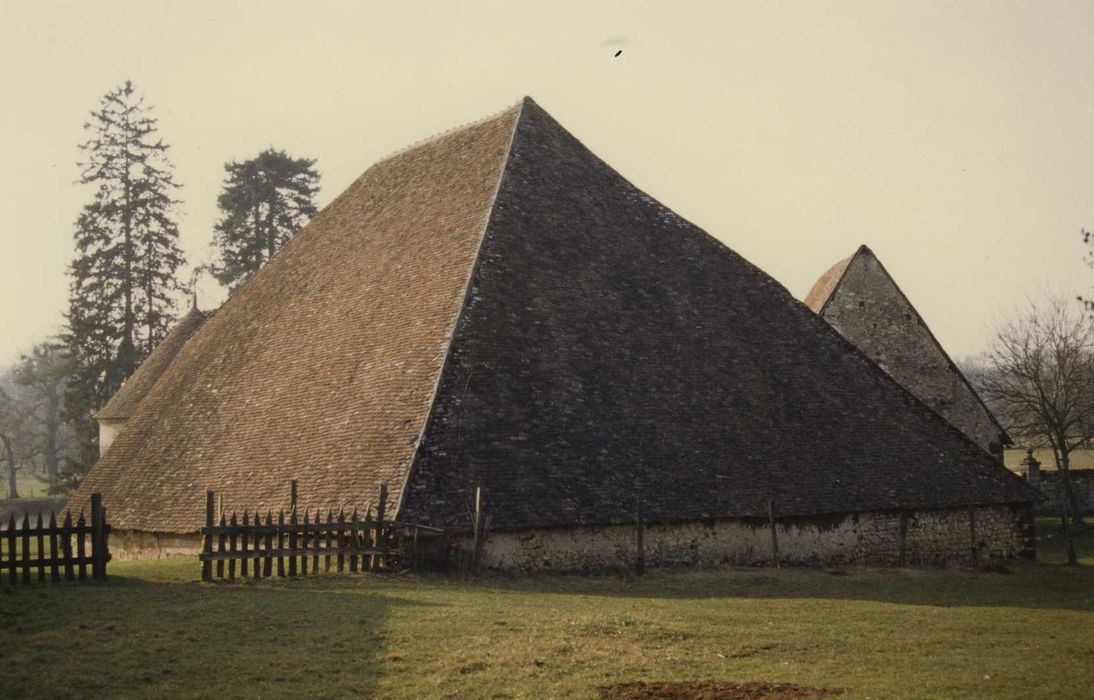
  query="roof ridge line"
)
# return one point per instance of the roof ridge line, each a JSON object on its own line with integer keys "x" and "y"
{"x": 930, "y": 334}
{"x": 447, "y": 132}
{"x": 945, "y": 355}
{"x": 850, "y": 261}
{"x": 451, "y": 335}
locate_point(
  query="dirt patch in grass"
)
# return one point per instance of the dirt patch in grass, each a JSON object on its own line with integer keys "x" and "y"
{"x": 712, "y": 690}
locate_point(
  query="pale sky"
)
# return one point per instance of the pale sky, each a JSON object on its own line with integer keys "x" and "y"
{"x": 954, "y": 138}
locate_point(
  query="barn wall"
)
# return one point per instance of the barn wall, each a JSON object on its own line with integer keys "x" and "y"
{"x": 135, "y": 544}
{"x": 933, "y": 537}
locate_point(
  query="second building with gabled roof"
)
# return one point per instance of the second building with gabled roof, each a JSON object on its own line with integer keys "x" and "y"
{"x": 862, "y": 301}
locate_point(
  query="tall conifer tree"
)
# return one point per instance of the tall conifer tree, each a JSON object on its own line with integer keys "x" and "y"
{"x": 127, "y": 255}
{"x": 264, "y": 202}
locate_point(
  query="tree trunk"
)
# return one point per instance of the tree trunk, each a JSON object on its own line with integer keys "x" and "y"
{"x": 13, "y": 490}
{"x": 1069, "y": 491}
{"x": 129, "y": 323}
{"x": 53, "y": 426}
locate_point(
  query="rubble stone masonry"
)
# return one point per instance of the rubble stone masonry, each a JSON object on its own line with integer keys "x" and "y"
{"x": 933, "y": 538}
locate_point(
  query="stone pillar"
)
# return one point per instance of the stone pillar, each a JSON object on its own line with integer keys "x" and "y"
{"x": 1032, "y": 469}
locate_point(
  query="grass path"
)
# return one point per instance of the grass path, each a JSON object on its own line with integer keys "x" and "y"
{"x": 154, "y": 631}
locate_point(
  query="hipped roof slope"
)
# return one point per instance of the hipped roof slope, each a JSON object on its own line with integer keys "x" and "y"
{"x": 323, "y": 366}
{"x": 611, "y": 350}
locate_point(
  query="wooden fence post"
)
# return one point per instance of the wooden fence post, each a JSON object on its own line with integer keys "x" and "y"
{"x": 341, "y": 540}
{"x": 774, "y": 534}
{"x": 640, "y": 539}
{"x": 12, "y": 575}
{"x": 98, "y": 563}
{"x": 281, "y": 542}
{"x": 54, "y": 553}
{"x": 267, "y": 564}
{"x": 243, "y": 562}
{"x": 314, "y": 542}
{"x": 221, "y": 540}
{"x": 304, "y": 545}
{"x": 371, "y": 541}
{"x": 81, "y": 547}
{"x": 292, "y": 532}
{"x": 974, "y": 548}
{"x": 326, "y": 549}
{"x": 105, "y": 541}
{"x": 232, "y": 523}
{"x": 902, "y": 559}
{"x": 354, "y": 545}
{"x": 66, "y": 546}
{"x": 381, "y": 537}
{"x": 41, "y": 542}
{"x": 26, "y": 547}
{"x": 207, "y": 545}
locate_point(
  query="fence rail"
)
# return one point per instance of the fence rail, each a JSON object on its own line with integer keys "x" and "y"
{"x": 292, "y": 544}
{"x": 55, "y": 552}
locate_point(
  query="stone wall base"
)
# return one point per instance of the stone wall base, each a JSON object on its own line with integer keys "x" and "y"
{"x": 137, "y": 544}
{"x": 936, "y": 537}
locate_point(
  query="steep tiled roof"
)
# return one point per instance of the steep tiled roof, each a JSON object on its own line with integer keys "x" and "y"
{"x": 499, "y": 308}
{"x": 323, "y": 366}
{"x": 132, "y": 392}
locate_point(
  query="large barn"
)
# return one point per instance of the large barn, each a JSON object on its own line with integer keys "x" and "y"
{"x": 497, "y": 308}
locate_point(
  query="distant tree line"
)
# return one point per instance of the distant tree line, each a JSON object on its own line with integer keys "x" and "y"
{"x": 124, "y": 280}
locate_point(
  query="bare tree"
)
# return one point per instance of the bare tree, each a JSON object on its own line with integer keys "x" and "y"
{"x": 12, "y": 432}
{"x": 44, "y": 373}
{"x": 1042, "y": 380}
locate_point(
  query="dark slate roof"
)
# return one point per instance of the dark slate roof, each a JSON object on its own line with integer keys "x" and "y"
{"x": 125, "y": 401}
{"x": 498, "y": 308}
{"x": 609, "y": 348}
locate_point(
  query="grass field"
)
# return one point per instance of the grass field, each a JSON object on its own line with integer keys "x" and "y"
{"x": 154, "y": 632}
{"x": 29, "y": 485}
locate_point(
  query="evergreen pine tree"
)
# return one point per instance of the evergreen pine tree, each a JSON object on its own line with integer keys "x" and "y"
{"x": 264, "y": 202}
{"x": 127, "y": 255}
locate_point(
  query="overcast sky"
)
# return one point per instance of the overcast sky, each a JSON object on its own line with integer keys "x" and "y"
{"x": 954, "y": 138}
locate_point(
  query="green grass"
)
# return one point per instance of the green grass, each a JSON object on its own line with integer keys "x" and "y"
{"x": 154, "y": 631}
{"x": 29, "y": 485}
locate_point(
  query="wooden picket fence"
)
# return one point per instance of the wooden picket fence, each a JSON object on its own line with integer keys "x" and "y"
{"x": 64, "y": 550}
{"x": 294, "y": 544}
